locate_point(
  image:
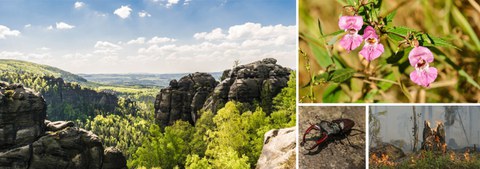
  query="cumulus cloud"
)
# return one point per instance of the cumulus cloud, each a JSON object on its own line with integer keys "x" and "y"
{"x": 170, "y": 3}
{"x": 143, "y": 14}
{"x": 123, "y": 12}
{"x": 213, "y": 35}
{"x": 78, "y": 4}
{"x": 186, "y": 2}
{"x": 246, "y": 42}
{"x": 27, "y": 26}
{"x": 156, "y": 40}
{"x": 139, "y": 40}
{"x": 107, "y": 48}
{"x": 206, "y": 51}
{"x": 63, "y": 25}
{"x": 5, "y": 31}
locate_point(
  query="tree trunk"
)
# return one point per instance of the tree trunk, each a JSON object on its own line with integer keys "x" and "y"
{"x": 415, "y": 130}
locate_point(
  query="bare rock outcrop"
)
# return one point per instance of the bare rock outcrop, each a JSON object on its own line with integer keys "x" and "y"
{"x": 27, "y": 140}
{"x": 183, "y": 98}
{"x": 278, "y": 149}
{"x": 259, "y": 81}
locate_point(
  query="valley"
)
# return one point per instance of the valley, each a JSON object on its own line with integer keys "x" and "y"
{"x": 170, "y": 120}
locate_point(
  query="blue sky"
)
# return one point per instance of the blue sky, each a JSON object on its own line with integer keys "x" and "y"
{"x": 149, "y": 36}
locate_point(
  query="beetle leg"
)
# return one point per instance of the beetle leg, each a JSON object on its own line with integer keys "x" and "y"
{"x": 313, "y": 126}
{"x": 319, "y": 141}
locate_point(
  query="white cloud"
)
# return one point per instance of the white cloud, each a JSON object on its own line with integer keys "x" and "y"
{"x": 63, "y": 25}
{"x": 78, "y": 4}
{"x": 11, "y": 55}
{"x": 5, "y": 31}
{"x": 107, "y": 48}
{"x": 24, "y": 56}
{"x": 170, "y": 3}
{"x": 212, "y": 50}
{"x": 123, "y": 12}
{"x": 143, "y": 14}
{"x": 139, "y": 40}
{"x": 206, "y": 51}
{"x": 186, "y": 2}
{"x": 27, "y": 26}
{"x": 213, "y": 35}
{"x": 50, "y": 27}
{"x": 156, "y": 40}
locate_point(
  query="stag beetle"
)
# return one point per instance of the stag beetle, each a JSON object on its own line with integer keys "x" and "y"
{"x": 335, "y": 128}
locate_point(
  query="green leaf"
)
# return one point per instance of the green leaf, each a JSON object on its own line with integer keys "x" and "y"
{"x": 351, "y": 2}
{"x": 440, "y": 42}
{"x": 460, "y": 19}
{"x": 331, "y": 94}
{"x": 385, "y": 85}
{"x": 394, "y": 37}
{"x": 341, "y": 75}
{"x": 400, "y": 30}
{"x": 390, "y": 16}
{"x": 333, "y": 33}
{"x": 320, "y": 27}
{"x": 321, "y": 78}
{"x": 371, "y": 94}
{"x": 460, "y": 71}
{"x": 333, "y": 40}
{"x": 399, "y": 57}
{"x": 321, "y": 56}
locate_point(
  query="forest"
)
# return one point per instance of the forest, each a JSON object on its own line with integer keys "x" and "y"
{"x": 123, "y": 117}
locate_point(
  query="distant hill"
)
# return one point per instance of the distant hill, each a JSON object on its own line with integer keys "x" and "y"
{"x": 138, "y": 79}
{"x": 22, "y": 67}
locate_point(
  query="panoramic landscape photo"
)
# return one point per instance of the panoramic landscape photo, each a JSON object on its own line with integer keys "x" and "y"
{"x": 147, "y": 84}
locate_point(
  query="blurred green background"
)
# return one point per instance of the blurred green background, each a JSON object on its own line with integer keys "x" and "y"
{"x": 455, "y": 20}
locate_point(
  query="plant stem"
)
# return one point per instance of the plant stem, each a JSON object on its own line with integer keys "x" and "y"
{"x": 375, "y": 78}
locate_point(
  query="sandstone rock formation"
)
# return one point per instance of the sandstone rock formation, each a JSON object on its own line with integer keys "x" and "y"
{"x": 260, "y": 81}
{"x": 27, "y": 140}
{"x": 64, "y": 93}
{"x": 22, "y": 113}
{"x": 182, "y": 99}
{"x": 278, "y": 149}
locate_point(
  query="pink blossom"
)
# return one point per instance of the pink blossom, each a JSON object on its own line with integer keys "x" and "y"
{"x": 420, "y": 57}
{"x": 351, "y": 25}
{"x": 372, "y": 49}
{"x": 350, "y": 22}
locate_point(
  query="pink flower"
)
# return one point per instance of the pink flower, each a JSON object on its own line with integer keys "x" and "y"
{"x": 372, "y": 49}
{"x": 420, "y": 57}
{"x": 351, "y": 25}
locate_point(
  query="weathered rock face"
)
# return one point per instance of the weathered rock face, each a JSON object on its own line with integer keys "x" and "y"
{"x": 261, "y": 81}
{"x": 30, "y": 141}
{"x": 278, "y": 149}
{"x": 114, "y": 159}
{"x": 181, "y": 100}
{"x": 80, "y": 99}
{"x": 22, "y": 113}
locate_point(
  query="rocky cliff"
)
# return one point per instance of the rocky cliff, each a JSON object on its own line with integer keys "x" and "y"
{"x": 183, "y": 98}
{"x": 65, "y": 100}
{"x": 259, "y": 81}
{"x": 27, "y": 140}
{"x": 63, "y": 97}
{"x": 278, "y": 149}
